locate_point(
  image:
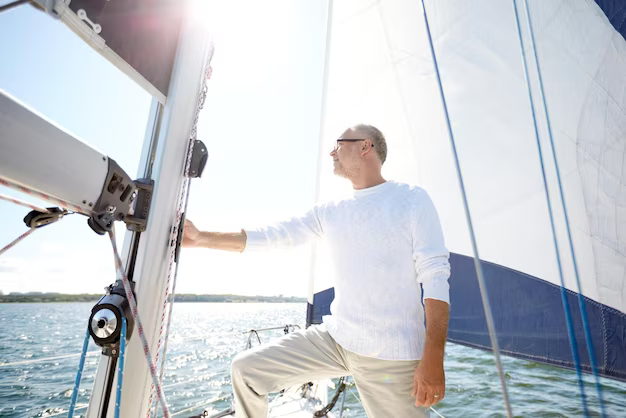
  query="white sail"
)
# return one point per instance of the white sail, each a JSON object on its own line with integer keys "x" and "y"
{"x": 380, "y": 72}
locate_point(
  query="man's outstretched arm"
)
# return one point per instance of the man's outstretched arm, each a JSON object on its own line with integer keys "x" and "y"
{"x": 287, "y": 234}
{"x": 430, "y": 382}
{"x": 228, "y": 241}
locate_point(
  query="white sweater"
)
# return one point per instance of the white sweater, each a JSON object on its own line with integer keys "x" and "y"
{"x": 384, "y": 241}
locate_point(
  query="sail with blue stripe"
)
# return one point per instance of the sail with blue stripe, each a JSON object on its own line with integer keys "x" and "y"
{"x": 379, "y": 71}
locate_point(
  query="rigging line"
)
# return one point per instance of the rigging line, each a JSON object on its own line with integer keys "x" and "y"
{"x": 479, "y": 270}
{"x": 437, "y": 413}
{"x": 13, "y": 4}
{"x": 120, "y": 369}
{"x": 184, "y": 197}
{"x": 358, "y": 398}
{"x": 79, "y": 375}
{"x": 86, "y": 405}
{"x": 173, "y": 294}
{"x": 39, "y": 360}
{"x": 23, "y": 203}
{"x": 182, "y": 382}
{"x": 133, "y": 306}
{"x": 343, "y": 401}
{"x": 191, "y": 408}
{"x": 39, "y": 195}
{"x": 16, "y": 241}
{"x": 581, "y": 301}
{"x": 564, "y": 299}
{"x": 64, "y": 412}
{"x": 180, "y": 219}
{"x": 173, "y": 245}
{"x": 180, "y": 340}
{"x": 29, "y": 231}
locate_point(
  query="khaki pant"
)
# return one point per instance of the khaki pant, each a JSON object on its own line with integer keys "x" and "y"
{"x": 385, "y": 386}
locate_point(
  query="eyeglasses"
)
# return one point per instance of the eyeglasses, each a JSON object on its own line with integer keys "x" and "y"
{"x": 348, "y": 140}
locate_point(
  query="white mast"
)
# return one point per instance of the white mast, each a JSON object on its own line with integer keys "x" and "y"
{"x": 153, "y": 254}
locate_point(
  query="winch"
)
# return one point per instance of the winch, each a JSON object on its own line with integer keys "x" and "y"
{"x": 105, "y": 321}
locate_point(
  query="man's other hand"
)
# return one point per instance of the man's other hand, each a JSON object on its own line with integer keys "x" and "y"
{"x": 429, "y": 384}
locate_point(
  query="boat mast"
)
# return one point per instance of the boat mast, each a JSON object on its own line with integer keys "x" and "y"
{"x": 147, "y": 260}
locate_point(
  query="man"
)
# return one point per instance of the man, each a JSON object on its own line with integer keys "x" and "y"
{"x": 385, "y": 241}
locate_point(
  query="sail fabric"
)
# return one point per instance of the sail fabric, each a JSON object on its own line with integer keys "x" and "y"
{"x": 615, "y": 11}
{"x": 144, "y": 33}
{"x": 380, "y": 72}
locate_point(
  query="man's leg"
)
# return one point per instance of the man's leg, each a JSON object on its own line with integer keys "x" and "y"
{"x": 385, "y": 386}
{"x": 294, "y": 359}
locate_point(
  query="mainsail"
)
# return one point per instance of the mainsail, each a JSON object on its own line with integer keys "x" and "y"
{"x": 380, "y": 71}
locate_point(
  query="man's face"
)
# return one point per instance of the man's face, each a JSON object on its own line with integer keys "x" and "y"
{"x": 346, "y": 154}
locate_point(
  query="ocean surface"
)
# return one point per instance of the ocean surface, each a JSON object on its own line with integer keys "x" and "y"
{"x": 206, "y": 336}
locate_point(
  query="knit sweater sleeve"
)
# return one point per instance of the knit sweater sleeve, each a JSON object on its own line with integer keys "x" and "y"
{"x": 287, "y": 234}
{"x": 429, "y": 251}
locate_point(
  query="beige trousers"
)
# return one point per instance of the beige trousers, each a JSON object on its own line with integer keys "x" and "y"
{"x": 385, "y": 386}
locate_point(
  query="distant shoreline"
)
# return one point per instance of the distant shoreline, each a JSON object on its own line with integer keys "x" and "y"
{"x": 35, "y": 297}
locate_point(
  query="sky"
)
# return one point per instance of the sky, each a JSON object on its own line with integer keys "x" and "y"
{"x": 260, "y": 124}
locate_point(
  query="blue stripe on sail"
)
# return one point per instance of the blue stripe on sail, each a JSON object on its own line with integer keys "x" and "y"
{"x": 529, "y": 319}
{"x": 528, "y": 315}
{"x": 615, "y": 11}
{"x": 320, "y": 307}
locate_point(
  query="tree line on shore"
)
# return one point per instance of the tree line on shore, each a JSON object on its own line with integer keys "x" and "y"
{"x": 40, "y": 297}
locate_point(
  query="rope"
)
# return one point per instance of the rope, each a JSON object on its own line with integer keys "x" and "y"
{"x": 437, "y": 413}
{"x": 356, "y": 395}
{"x": 22, "y": 203}
{"x": 343, "y": 401}
{"x": 120, "y": 369}
{"x": 479, "y": 271}
{"x": 39, "y": 360}
{"x": 13, "y": 4}
{"x": 581, "y": 301}
{"x": 171, "y": 307}
{"x": 32, "y": 229}
{"x": 63, "y": 412}
{"x": 325, "y": 410}
{"x": 182, "y": 207}
{"x": 133, "y": 306}
{"x": 16, "y": 241}
{"x": 359, "y": 399}
{"x": 173, "y": 239}
{"x": 62, "y": 203}
{"x": 79, "y": 374}
{"x": 564, "y": 300}
{"x": 191, "y": 408}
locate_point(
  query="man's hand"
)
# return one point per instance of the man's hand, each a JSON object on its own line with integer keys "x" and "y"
{"x": 429, "y": 379}
{"x": 429, "y": 384}
{"x": 191, "y": 235}
{"x": 229, "y": 241}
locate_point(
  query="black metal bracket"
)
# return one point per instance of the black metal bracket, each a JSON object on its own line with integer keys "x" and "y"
{"x": 115, "y": 201}
{"x": 199, "y": 158}
{"x": 179, "y": 238}
{"x": 102, "y": 222}
{"x": 37, "y": 219}
{"x": 143, "y": 203}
